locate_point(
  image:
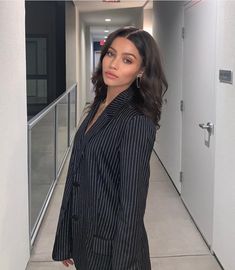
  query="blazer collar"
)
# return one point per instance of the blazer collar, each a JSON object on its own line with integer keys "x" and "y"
{"x": 110, "y": 111}
{"x": 117, "y": 103}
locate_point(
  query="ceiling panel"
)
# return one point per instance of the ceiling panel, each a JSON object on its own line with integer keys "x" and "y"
{"x": 100, "y": 5}
{"x": 123, "y": 13}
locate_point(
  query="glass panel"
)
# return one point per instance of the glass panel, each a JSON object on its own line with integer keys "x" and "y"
{"x": 72, "y": 112}
{"x": 31, "y": 56}
{"x": 42, "y": 163}
{"x": 42, "y": 88}
{"x": 36, "y": 55}
{"x": 31, "y": 88}
{"x": 62, "y": 137}
{"x": 43, "y": 152}
{"x": 37, "y": 77}
{"x": 37, "y": 91}
{"x": 42, "y": 54}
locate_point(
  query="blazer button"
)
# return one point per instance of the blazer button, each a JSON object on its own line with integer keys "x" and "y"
{"x": 76, "y": 184}
{"x": 75, "y": 217}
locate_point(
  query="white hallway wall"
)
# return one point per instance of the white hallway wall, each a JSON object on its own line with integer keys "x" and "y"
{"x": 168, "y": 20}
{"x": 70, "y": 35}
{"x": 167, "y": 27}
{"x": 72, "y": 50}
{"x": 77, "y": 22}
{"x": 14, "y": 227}
{"x": 82, "y": 65}
{"x": 224, "y": 195}
{"x": 148, "y": 20}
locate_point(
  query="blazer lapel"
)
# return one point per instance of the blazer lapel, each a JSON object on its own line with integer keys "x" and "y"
{"x": 111, "y": 110}
{"x": 89, "y": 117}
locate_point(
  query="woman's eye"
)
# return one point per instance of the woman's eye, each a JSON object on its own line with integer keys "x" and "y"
{"x": 127, "y": 61}
{"x": 109, "y": 53}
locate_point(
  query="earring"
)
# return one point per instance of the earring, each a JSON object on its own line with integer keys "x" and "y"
{"x": 138, "y": 79}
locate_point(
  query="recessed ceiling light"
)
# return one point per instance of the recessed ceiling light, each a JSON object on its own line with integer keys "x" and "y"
{"x": 112, "y": 1}
{"x": 105, "y": 36}
{"x": 106, "y": 31}
{"x": 108, "y": 20}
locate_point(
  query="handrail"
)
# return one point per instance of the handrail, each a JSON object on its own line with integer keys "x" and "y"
{"x": 34, "y": 120}
{"x": 58, "y": 152}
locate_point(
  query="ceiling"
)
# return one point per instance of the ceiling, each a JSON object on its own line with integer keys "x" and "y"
{"x": 89, "y": 5}
{"x": 93, "y": 13}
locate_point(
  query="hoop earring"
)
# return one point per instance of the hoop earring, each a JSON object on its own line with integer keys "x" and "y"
{"x": 138, "y": 79}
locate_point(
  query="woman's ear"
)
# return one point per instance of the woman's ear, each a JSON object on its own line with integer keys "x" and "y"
{"x": 141, "y": 72}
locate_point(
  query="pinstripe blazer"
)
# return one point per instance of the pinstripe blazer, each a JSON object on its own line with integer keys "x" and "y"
{"x": 101, "y": 222}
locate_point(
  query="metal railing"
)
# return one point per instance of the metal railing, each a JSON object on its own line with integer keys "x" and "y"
{"x": 50, "y": 136}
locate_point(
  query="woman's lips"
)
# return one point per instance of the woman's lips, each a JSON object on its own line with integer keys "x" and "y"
{"x": 110, "y": 75}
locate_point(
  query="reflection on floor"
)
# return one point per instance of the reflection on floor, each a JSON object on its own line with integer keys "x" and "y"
{"x": 175, "y": 243}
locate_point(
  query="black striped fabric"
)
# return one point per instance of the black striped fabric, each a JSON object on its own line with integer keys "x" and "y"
{"x": 101, "y": 222}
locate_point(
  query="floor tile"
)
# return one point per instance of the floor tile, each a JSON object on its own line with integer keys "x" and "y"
{"x": 185, "y": 263}
{"x": 170, "y": 228}
{"x": 174, "y": 241}
{"x": 157, "y": 172}
{"x": 44, "y": 242}
{"x": 48, "y": 266}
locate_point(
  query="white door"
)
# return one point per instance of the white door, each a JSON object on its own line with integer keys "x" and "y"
{"x": 199, "y": 108}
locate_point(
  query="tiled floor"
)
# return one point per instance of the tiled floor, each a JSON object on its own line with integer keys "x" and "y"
{"x": 175, "y": 243}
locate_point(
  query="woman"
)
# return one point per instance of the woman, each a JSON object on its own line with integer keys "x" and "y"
{"x": 101, "y": 223}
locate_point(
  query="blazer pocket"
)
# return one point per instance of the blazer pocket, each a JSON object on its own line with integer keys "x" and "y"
{"x": 102, "y": 246}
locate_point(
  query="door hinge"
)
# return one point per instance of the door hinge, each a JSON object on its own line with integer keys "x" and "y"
{"x": 181, "y": 177}
{"x": 183, "y": 32}
{"x": 181, "y": 105}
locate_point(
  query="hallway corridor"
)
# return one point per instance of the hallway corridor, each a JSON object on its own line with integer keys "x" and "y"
{"x": 175, "y": 243}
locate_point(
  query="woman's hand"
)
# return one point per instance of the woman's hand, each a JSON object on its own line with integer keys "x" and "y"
{"x": 68, "y": 262}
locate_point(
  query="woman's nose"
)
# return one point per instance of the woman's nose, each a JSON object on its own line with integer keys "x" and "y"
{"x": 114, "y": 63}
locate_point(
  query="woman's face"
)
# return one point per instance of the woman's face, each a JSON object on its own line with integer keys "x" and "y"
{"x": 121, "y": 64}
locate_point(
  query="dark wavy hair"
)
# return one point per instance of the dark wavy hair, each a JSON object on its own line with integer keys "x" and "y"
{"x": 148, "y": 97}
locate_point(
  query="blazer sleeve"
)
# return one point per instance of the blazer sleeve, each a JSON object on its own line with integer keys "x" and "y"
{"x": 135, "y": 151}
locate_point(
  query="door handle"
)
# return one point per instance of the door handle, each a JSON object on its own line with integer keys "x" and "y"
{"x": 209, "y": 127}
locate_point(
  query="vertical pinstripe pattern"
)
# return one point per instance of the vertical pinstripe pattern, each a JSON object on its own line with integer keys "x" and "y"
{"x": 101, "y": 219}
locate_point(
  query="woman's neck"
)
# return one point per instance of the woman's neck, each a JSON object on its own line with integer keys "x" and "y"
{"x": 111, "y": 94}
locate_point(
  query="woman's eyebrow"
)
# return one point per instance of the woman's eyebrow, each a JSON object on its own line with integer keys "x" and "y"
{"x": 126, "y": 53}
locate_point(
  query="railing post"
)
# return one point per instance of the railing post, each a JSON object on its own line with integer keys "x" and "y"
{"x": 29, "y": 182}
{"x": 56, "y": 141}
{"x": 69, "y": 111}
{"x": 76, "y": 103}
